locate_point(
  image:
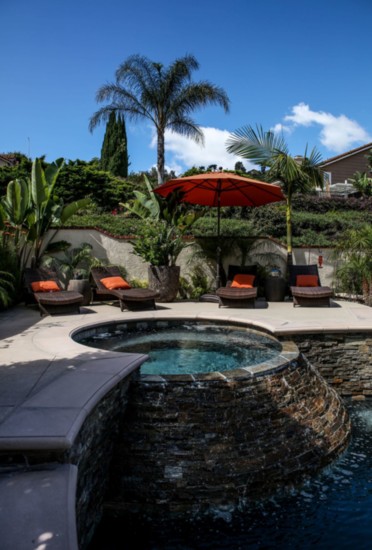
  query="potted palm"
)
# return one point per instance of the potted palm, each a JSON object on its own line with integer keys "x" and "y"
{"x": 160, "y": 245}
{"x": 161, "y": 240}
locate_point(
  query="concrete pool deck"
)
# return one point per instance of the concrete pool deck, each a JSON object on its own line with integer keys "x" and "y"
{"x": 49, "y": 384}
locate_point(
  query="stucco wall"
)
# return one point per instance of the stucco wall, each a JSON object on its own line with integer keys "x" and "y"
{"x": 118, "y": 251}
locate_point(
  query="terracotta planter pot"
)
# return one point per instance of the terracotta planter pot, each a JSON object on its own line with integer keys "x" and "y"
{"x": 166, "y": 280}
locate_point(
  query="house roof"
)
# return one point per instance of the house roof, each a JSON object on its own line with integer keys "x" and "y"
{"x": 8, "y": 158}
{"x": 331, "y": 160}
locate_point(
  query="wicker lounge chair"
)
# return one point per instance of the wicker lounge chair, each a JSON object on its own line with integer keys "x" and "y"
{"x": 231, "y": 296}
{"x": 129, "y": 298}
{"x": 50, "y": 303}
{"x": 308, "y": 296}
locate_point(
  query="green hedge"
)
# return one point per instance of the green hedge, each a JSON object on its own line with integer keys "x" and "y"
{"x": 308, "y": 228}
{"x": 115, "y": 225}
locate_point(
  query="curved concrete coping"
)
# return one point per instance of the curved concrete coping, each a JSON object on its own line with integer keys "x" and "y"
{"x": 37, "y": 508}
{"x": 74, "y": 382}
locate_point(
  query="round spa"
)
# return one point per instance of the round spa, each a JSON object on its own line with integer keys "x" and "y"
{"x": 219, "y": 414}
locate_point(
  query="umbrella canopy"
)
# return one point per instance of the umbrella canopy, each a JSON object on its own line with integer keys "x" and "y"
{"x": 221, "y": 189}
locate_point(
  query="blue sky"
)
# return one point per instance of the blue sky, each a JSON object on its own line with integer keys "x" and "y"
{"x": 302, "y": 67}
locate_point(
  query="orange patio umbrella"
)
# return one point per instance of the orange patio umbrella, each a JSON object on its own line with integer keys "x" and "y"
{"x": 221, "y": 189}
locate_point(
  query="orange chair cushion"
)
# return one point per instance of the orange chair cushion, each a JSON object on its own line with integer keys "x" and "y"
{"x": 45, "y": 286}
{"x": 243, "y": 281}
{"x": 113, "y": 283}
{"x": 307, "y": 280}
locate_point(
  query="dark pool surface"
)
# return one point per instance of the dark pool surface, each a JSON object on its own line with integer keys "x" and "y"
{"x": 332, "y": 510}
{"x": 188, "y": 348}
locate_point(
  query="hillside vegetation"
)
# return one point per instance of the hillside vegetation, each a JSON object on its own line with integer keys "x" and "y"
{"x": 316, "y": 221}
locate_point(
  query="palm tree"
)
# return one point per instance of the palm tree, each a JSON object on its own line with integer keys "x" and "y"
{"x": 362, "y": 183}
{"x": 270, "y": 151}
{"x": 164, "y": 95}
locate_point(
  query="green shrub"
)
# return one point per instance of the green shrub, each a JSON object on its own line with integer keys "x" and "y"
{"x": 269, "y": 220}
{"x": 77, "y": 181}
{"x": 138, "y": 283}
{"x": 197, "y": 285}
{"x": 119, "y": 225}
{"x": 323, "y": 205}
{"x": 19, "y": 171}
{"x": 160, "y": 244}
{"x": 10, "y": 276}
{"x": 207, "y": 227}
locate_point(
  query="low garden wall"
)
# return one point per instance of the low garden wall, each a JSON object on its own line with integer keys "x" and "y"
{"x": 119, "y": 251}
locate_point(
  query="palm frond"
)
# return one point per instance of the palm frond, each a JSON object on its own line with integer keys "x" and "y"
{"x": 186, "y": 127}
{"x": 256, "y": 144}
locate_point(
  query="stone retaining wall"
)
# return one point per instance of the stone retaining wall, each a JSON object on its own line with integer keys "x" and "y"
{"x": 92, "y": 452}
{"x": 343, "y": 359}
{"x": 255, "y": 432}
{"x": 193, "y": 448}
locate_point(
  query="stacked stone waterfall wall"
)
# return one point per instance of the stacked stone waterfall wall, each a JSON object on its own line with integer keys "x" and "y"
{"x": 221, "y": 439}
{"x": 343, "y": 359}
{"x": 189, "y": 448}
{"x": 92, "y": 452}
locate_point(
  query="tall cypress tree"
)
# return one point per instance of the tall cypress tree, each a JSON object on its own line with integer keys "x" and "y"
{"x": 114, "y": 152}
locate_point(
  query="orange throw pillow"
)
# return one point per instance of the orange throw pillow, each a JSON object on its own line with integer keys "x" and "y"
{"x": 45, "y": 286}
{"x": 307, "y": 280}
{"x": 113, "y": 283}
{"x": 243, "y": 281}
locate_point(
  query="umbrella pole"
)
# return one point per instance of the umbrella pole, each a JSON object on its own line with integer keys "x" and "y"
{"x": 218, "y": 250}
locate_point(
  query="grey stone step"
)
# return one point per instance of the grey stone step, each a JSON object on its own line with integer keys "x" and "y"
{"x": 37, "y": 508}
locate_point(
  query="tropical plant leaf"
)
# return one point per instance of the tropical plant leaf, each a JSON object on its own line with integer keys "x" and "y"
{"x": 39, "y": 186}
{"x": 57, "y": 246}
{"x": 71, "y": 209}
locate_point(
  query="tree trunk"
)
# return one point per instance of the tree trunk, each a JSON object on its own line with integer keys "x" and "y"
{"x": 166, "y": 280}
{"x": 367, "y": 291}
{"x": 289, "y": 230}
{"x": 161, "y": 160}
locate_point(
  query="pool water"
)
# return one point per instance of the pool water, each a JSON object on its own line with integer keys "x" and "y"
{"x": 331, "y": 510}
{"x": 190, "y": 347}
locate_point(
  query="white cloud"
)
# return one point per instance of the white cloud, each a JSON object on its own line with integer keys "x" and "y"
{"x": 338, "y": 133}
{"x": 183, "y": 152}
{"x": 278, "y": 128}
